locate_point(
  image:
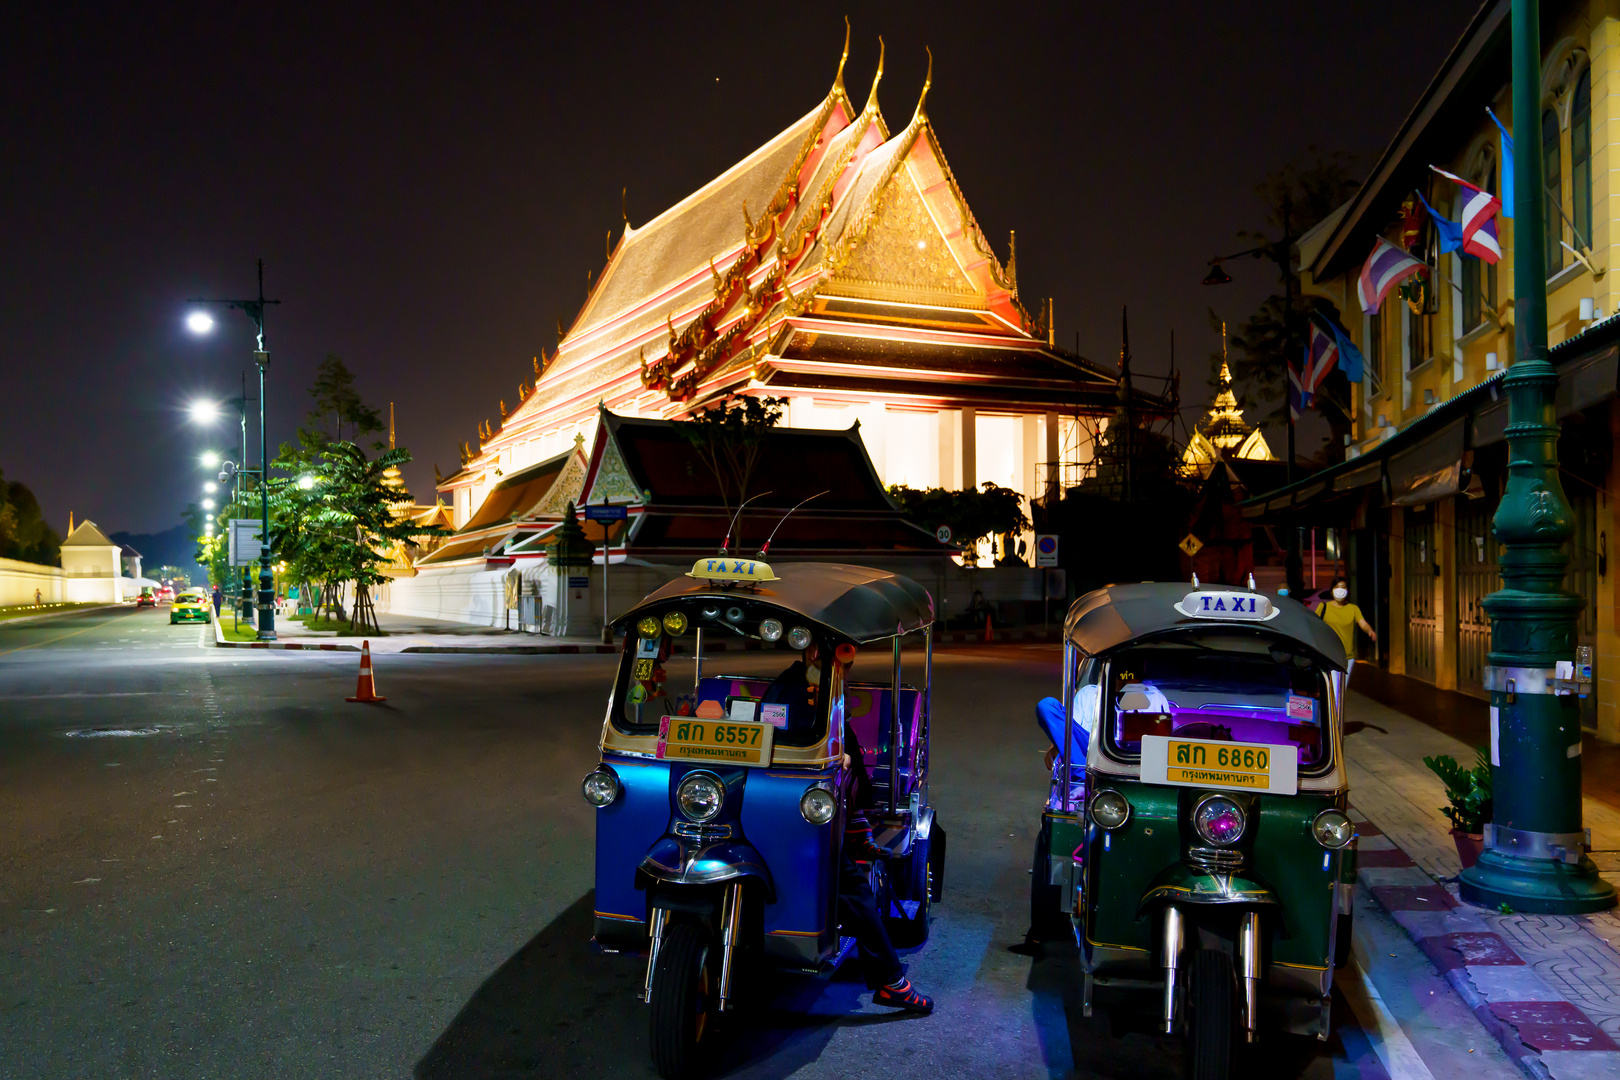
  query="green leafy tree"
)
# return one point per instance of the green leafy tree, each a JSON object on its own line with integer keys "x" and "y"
{"x": 24, "y": 535}
{"x": 338, "y": 414}
{"x": 1296, "y": 197}
{"x": 336, "y": 525}
{"x": 973, "y": 514}
{"x": 728, "y": 437}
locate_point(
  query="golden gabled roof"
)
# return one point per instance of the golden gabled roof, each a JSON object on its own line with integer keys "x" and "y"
{"x": 1224, "y": 432}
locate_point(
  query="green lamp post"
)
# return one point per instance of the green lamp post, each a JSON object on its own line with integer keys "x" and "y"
{"x": 1534, "y": 859}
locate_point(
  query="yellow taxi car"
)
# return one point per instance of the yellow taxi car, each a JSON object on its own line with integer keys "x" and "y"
{"x": 192, "y": 605}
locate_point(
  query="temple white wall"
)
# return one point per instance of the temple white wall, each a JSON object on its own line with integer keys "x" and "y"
{"x": 18, "y": 580}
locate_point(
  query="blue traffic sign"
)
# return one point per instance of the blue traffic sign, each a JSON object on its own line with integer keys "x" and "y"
{"x": 606, "y": 513}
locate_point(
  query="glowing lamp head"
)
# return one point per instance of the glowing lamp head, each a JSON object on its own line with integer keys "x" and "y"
{"x": 210, "y": 486}
{"x": 306, "y": 482}
{"x": 209, "y": 459}
{"x": 200, "y": 322}
{"x": 208, "y": 504}
{"x": 203, "y": 412}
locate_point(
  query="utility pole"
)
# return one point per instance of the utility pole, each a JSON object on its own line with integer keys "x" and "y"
{"x": 1534, "y": 860}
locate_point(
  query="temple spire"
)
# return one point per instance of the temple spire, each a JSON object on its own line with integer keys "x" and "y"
{"x": 877, "y": 77}
{"x": 390, "y": 425}
{"x": 921, "y": 115}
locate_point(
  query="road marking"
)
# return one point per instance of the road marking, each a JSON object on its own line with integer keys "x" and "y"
{"x": 87, "y": 881}
{"x": 61, "y": 637}
{"x": 80, "y": 694}
{"x": 1394, "y": 1049}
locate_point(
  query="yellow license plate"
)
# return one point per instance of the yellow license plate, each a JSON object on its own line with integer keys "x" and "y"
{"x": 721, "y": 742}
{"x": 1215, "y": 764}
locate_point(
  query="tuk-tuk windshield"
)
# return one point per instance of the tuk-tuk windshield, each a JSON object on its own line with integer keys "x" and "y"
{"x": 1233, "y": 689}
{"x": 771, "y": 683}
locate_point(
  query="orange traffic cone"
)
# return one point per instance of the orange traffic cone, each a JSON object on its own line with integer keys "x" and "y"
{"x": 989, "y": 629}
{"x": 367, "y": 690}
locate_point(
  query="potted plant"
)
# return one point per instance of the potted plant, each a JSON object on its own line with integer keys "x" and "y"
{"x": 1469, "y": 793}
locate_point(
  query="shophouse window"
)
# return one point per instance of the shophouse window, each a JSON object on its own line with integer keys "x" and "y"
{"x": 1553, "y": 179}
{"x": 1420, "y": 329}
{"x": 1580, "y": 161}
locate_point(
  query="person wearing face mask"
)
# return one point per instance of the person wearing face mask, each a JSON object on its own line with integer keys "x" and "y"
{"x": 1344, "y": 617}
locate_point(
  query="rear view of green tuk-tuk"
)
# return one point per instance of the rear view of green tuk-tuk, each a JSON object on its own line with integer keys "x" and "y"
{"x": 1195, "y": 839}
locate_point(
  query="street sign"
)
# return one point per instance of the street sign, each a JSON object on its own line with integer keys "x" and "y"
{"x": 245, "y": 534}
{"x": 1191, "y": 545}
{"x": 606, "y": 513}
{"x": 1046, "y": 549}
{"x": 943, "y": 534}
{"x": 579, "y": 583}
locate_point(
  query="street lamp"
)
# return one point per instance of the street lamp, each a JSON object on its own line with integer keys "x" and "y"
{"x": 209, "y": 459}
{"x": 254, "y": 309}
{"x": 210, "y": 487}
{"x": 1534, "y": 858}
{"x": 208, "y": 504}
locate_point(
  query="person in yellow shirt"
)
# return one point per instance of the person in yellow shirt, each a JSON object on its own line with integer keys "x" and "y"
{"x": 1344, "y": 617}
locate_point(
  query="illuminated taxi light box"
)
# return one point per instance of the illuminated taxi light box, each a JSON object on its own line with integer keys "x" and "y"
{"x": 724, "y": 568}
{"x": 686, "y": 738}
{"x": 1206, "y": 763}
{"x": 1228, "y": 604}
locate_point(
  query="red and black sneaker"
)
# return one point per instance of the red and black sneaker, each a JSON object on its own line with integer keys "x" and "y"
{"x": 903, "y": 995}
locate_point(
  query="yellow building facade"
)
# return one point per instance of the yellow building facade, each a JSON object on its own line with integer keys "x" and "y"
{"x": 1425, "y": 463}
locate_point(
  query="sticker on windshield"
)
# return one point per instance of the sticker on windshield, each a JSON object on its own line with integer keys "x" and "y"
{"x": 1301, "y": 708}
{"x": 775, "y": 715}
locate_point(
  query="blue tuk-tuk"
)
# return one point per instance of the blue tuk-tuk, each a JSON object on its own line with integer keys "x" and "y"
{"x": 720, "y": 813}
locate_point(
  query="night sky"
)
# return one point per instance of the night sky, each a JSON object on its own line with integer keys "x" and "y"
{"x": 429, "y": 185}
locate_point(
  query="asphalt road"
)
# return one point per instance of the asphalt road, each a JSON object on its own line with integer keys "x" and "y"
{"x": 213, "y": 866}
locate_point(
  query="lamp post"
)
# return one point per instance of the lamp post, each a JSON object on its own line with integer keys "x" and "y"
{"x": 206, "y": 412}
{"x": 1282, "y": 253}
{"x": 1534, "y": 860}
{"x": 254, "y": 309}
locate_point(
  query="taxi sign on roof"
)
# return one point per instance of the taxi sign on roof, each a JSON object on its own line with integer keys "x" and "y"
{"x": 1236, "y": 605}
{"x": 725, "y": 568}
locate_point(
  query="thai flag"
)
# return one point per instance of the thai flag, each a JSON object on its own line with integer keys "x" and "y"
{"x": 1321, "y": 353}
{"x": 1478, "y": 215}
{"x": 1386, "y": 268}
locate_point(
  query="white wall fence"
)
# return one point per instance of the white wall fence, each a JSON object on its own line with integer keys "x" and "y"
{"x": 18, "y": 580}
{"x": 474, "y": 595}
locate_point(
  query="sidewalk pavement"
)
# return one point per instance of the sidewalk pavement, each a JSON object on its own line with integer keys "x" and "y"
{"x": 415, "y": 635}
{"x": 1546, "y": 986}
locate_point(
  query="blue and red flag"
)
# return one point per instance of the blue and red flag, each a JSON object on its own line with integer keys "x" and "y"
{"x": 1386, "y": 268}
{"x": 1478, "y": 216}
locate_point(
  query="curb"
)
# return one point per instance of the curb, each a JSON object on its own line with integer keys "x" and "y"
{"x": 296, "y": 646}
{"x": 1458, "y": 941}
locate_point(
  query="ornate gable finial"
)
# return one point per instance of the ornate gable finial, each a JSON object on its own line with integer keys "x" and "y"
{"x": 579, "y": 441}
{"x": 877, "y": 77}
{"x": 921, "y": 115}
{"x": 624, "y": 205}
{"x": 537, "y": 368}
{"x": 1012, "y": 261}
{"x": 503, "y": 409}
{"x": 838, "y": 79}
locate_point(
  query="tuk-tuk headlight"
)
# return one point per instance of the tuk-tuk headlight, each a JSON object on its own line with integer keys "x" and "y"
{"x": 600, "y": 787}
{"x": 1332, "y": 829}
{"x": 1109, "y": 809}
{"x": 799, "y": 638}
{"x": 770, "y": 629}
{"x": 648, "y": 626}
{"x": 1218, "y": 819}
{"x": 700, "y": 796}
{"x": 675, "y": 623}
{"x": 818, "y": 806}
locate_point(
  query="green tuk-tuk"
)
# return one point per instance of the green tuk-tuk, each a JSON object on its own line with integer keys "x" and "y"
{"x": 1195, "y": 839}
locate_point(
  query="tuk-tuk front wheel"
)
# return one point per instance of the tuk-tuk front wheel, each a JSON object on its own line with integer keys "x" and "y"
{"x": 684, "y": 1000}
{"x": 1211, "y": 991}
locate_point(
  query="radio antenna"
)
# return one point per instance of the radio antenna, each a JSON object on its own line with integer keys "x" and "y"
{"x": 766, "y": 549}
{"x": 726, "y": 543}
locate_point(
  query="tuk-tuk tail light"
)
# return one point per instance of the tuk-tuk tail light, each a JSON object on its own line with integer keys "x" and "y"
{"x": 1333, "y": 829}
{"x": 600, "y": 787}
{"x": 1110, "y": 809}
{"x": 818, "y": 805}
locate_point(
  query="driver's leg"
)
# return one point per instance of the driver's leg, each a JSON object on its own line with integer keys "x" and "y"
{"x": 858, "y": 914}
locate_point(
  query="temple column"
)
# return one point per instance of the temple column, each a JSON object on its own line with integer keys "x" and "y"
{"x": 970, "y": 449}
{"x": 950, "y": 463}
{"x": 1050, "y": 483}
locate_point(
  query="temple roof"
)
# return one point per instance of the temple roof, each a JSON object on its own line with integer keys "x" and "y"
{"x": 1225, "y": 434}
